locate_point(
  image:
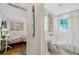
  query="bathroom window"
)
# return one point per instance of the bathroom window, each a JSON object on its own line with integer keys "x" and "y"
{"x": 64, "y": 24}
{"x": 46, "y": 24}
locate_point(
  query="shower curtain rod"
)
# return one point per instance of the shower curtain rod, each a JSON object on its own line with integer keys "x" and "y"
{"x": 10, "y": 4}
{"x": 67, "y": 12}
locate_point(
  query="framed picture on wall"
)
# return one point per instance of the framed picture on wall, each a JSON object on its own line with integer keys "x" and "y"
{"x": 16, "y": 26}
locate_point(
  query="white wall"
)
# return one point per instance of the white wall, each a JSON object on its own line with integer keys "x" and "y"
{"x": 71, "y": 37}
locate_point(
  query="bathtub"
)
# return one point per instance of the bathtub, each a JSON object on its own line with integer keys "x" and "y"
{"x": 61, "y": 48}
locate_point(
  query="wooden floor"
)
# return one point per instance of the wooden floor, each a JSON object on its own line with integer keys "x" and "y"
{"x": 17, "y": 50}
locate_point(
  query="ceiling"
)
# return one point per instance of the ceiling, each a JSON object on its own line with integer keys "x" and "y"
{"x": 12, "y": 13}
{"x": 60, "y": 8}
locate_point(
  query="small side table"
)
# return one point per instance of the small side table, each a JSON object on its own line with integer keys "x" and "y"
{"x": 6, "y": 43}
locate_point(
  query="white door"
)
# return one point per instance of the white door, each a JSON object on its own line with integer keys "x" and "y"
{"x": 75, "y": 31}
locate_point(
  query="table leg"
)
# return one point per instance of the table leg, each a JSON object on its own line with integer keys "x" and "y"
{"x": 6, "y": 47}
